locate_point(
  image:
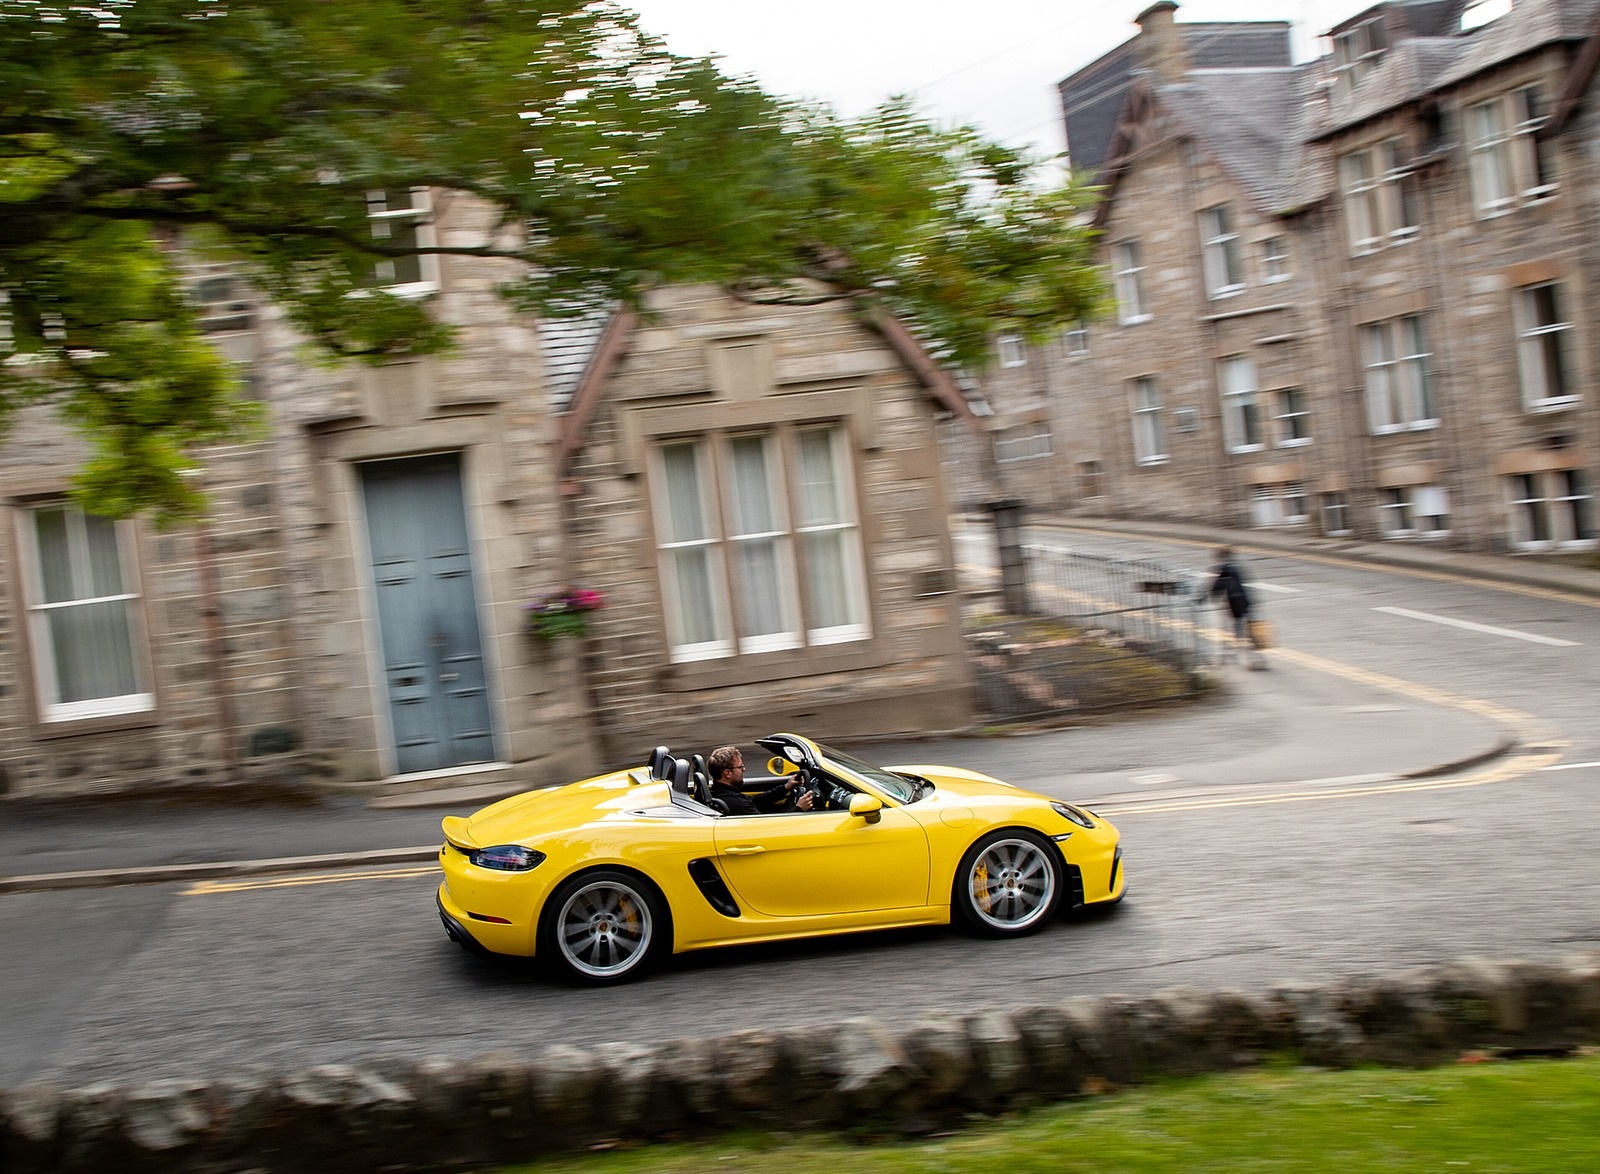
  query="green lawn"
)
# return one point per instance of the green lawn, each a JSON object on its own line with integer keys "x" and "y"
{"x": 1527, "y": 1117}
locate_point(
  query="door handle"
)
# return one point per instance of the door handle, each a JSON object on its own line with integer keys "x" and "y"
{"x": 745, "y": 850}
{"x": 449, "y": 676}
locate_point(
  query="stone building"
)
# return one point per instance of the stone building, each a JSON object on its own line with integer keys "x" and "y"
{"x": 1352, "y": 296}
{"x": 755, "y": 491}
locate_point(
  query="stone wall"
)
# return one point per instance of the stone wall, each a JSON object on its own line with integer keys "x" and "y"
{"x": 438, "y": 1115}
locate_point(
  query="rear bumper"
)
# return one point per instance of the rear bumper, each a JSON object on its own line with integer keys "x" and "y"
{"x": 457, "y": 932}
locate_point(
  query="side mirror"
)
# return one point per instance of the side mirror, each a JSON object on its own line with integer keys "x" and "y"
{"x": 779, "y": 767}
{"x": 866, "y": 807}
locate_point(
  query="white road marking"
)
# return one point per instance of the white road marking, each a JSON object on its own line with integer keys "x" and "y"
{"x": 1257, "y": 586}
{"x": 1569, "y": 765}
{"x": 1531, "y": 637}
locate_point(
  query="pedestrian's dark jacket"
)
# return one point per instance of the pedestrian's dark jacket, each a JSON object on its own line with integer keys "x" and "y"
{"x": 771, "y": 800}
{"x": 1229, "y": 584}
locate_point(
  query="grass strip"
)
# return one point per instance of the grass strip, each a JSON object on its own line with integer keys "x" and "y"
{"x": 1523, "y": 1117}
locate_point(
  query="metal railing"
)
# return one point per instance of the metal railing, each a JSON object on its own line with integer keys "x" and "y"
{"x": 1098, "y": 633}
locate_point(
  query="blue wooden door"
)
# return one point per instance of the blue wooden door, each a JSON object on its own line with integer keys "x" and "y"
{"x": 427, "y": 613}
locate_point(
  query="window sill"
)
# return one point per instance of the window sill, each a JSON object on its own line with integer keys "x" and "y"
{"x": 750, "y": 668}
{"x": 1241, "y": 449}
{"x": 1152, "y": 462}
{"x": 1547, "y": 406}
{"x": 79, "y": 727}
{"x": 1136, "y": 320}
{"x": 1301, "y": 442}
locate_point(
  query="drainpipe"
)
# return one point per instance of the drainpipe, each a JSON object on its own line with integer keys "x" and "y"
{"x": 210, "y": 592}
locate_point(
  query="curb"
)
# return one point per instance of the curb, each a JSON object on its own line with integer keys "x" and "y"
{"x": 156, "y": 874}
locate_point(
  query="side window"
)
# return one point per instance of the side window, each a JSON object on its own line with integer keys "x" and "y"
{"x": 1241, "y": 406}
{"x": 83, "y": 614}
{"x": 1219, "y": 243}
{"x": 1544, "y": 339}
{"x": 1149, "y": 428}
{"x": 1399, "y": 389}
{"x": 1127, "y": 276}
{"x": 403, "y": 218}
{"x": 1507, "y": 165}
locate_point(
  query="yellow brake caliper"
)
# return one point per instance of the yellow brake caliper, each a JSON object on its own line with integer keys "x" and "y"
{"x": 980, "y": 888}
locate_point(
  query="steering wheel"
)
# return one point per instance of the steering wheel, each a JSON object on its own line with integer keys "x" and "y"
{"x": 825, "y": 796}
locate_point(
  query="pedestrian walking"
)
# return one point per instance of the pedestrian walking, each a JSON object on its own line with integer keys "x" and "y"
{"x": 1228, "y": 585}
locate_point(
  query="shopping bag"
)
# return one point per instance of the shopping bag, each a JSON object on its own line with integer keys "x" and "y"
{"x": 1261, "y": 634}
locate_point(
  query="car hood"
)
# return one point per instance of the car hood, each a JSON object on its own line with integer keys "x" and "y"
{"x": 533, "y": 813}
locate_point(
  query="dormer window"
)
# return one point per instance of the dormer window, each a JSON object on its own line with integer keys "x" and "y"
{"x": 1356, "y": 51}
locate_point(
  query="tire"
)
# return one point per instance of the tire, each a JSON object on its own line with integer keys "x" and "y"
{"x": 604, "y": 926}
{"x": 1009, "y": 884}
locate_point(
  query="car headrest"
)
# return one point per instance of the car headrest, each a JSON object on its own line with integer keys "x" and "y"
{"x": 680, "y": 775}
{"x": 700, "y": 767}
{"x": 660, "y": 758}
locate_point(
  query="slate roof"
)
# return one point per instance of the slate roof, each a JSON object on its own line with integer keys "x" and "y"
{"x": 1418, "y": 66}
{"x": 1243, "y": 118}
{"x": 1529, "y": 25}
{"x": 567, "y": 345}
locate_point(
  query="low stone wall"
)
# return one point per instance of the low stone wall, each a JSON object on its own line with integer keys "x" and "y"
{"x": 441, "y": 1114}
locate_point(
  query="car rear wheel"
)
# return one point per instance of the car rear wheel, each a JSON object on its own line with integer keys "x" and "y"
{"x": 603, "y": 926}
{"x": 1009, "y": 883}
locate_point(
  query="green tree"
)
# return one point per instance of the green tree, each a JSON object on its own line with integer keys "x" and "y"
{"x": 253, "y": 129}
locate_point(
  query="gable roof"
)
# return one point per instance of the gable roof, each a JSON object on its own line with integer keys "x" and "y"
{"x": 1250, "y": 122}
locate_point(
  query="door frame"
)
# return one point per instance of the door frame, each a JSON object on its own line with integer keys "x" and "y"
{"x": 377, "y": 677}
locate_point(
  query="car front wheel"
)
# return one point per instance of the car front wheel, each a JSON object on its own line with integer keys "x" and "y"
{"x": 602, "y": 927}
{"x": 1009, "y": 883}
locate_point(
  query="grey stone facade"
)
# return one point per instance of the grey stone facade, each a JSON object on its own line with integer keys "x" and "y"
{"x": 259, "y": 638}
{"x": 1384, "y": 325}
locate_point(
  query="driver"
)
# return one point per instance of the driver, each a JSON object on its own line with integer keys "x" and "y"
{"x": 726, "y": 765}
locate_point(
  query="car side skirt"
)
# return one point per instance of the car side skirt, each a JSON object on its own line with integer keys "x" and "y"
{"x": 793, "y": 928}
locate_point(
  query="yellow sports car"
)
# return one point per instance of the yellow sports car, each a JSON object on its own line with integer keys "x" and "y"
{"x": 603, "y": 876}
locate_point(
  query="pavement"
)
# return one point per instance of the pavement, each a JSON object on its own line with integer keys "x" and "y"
{"x": 1250, "y": 732}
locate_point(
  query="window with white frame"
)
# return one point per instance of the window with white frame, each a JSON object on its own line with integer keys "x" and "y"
{"x": 1241, "y": 406}
{"x": 1026, "y": 442}
{"x": 82, "y": 602}
{"x": 1011, "y": 351}
{"x": 1379, "y": 208}
{"x": 1275, "y": 259}
{"x": 1091, "y": 479}
{"x": 1413, "y": 511}
{"x": 403, "y": 218}
{"x": 1543, "y": 347}
{"x": 759, "y": 542}
{"x": 1291, "y": 417}
{"x": 1507, "y": 164}
{"x": 1356, "y": 51}
{"x": 1551, "y": 510}
{"x": 1077, "y": 339}
{"x": 1127, "y": 279}
{"x": 1395, "y": 356}
{"x": 1279, "y": 505}
{"x": 1335, "y": 514}
{"x": 1219, "y": 251}
{"x": 1149, "y": 429}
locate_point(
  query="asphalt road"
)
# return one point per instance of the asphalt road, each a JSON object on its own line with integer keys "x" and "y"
{"x": 1266, "y": 843}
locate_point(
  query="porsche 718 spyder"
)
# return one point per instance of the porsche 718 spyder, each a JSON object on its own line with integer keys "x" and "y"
{"x": 602, "y": 877}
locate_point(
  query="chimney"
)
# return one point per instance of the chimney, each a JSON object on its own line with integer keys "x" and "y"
{"x": 1161, "y": 45}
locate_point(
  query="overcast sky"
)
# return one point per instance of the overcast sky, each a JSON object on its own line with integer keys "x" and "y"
{"x": 989, "y": 62}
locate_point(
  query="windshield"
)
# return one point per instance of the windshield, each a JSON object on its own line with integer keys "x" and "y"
{"x": 897, "y": 787}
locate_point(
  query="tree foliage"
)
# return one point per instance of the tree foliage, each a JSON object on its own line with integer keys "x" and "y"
{"x": 253, "y": 129}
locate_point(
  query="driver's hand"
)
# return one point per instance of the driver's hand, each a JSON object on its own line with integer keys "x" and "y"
{"x": 804, "y": 802}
